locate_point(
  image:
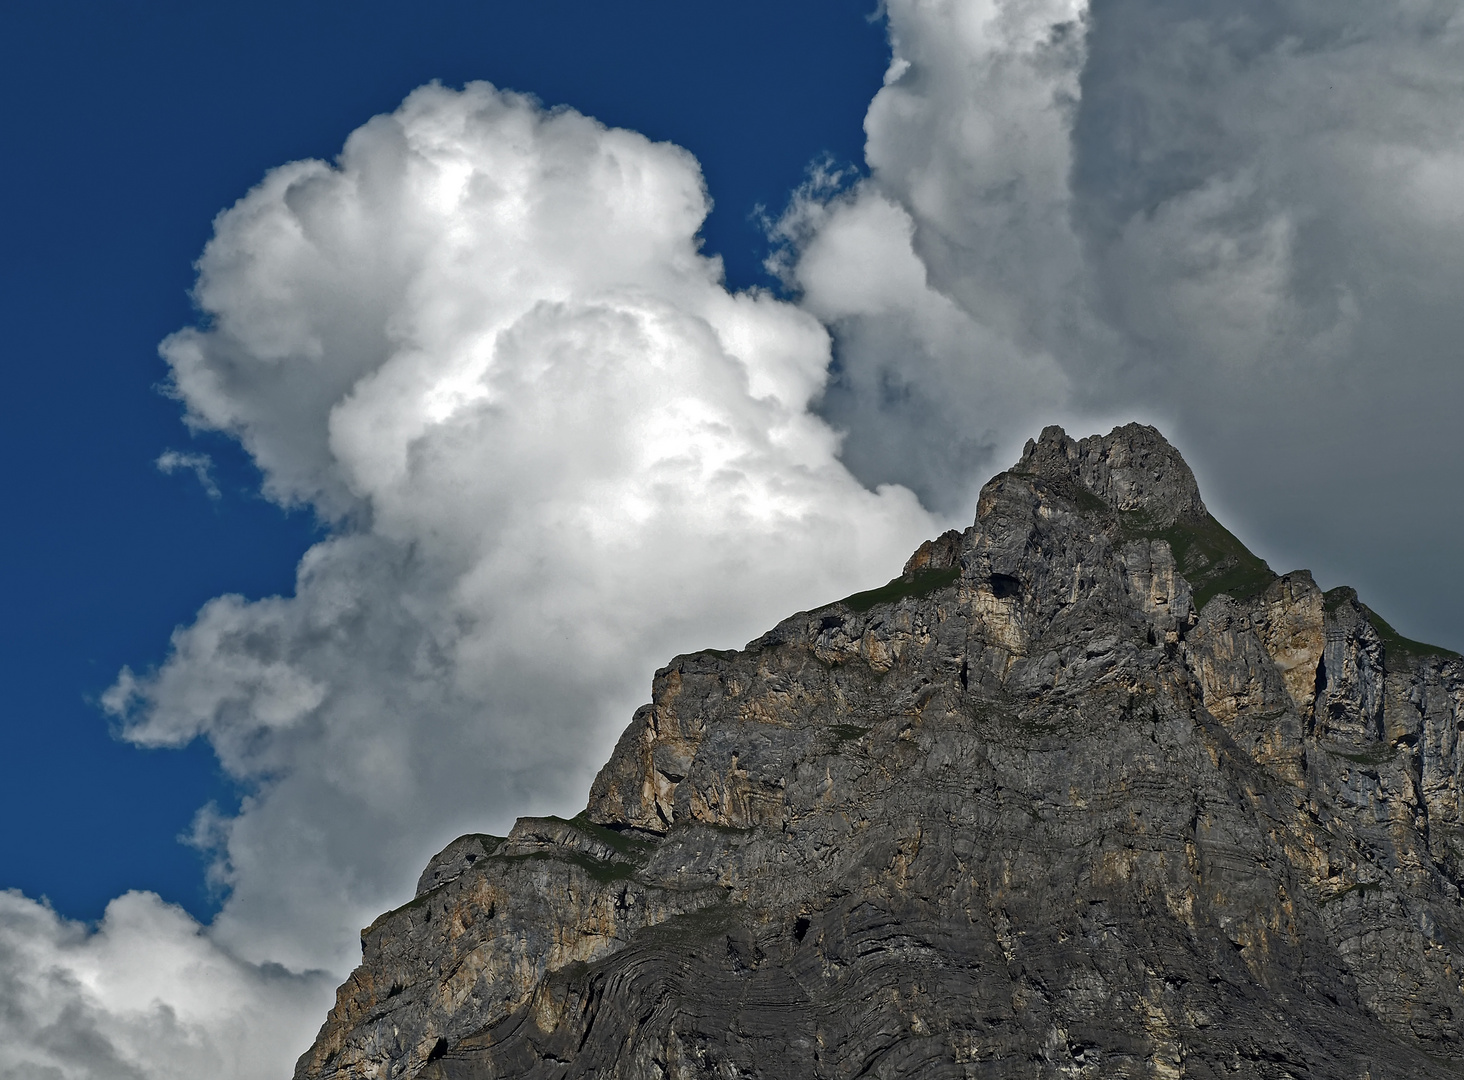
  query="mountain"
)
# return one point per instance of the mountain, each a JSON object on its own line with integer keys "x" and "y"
{"x": 1087, "y": 791}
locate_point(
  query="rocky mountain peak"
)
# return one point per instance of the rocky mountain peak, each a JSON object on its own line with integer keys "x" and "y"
{"x": 1087, "y": 791}
{"x": 1132, "y": 468}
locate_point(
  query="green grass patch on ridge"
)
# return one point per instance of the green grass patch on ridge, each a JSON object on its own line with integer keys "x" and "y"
{"x": 603, "y": 872}
{"x": 1361, "y": 888}
{"x": 1394, "y": 644}
{"x": 1209, "y": 555}
{"x": 1370, "y": 759}
{"x": 843, "y": 733}
{"x": 925, "y": 583}
{"x": 623, "y": 843}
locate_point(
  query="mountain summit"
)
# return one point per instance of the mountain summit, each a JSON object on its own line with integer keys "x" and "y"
{"x": 1086, "y": 791}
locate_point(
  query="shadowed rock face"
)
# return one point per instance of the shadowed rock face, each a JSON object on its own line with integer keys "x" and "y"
{"x": 1086, "y": 792}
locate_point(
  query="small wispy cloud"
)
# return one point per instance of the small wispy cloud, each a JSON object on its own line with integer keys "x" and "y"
{"x": 200, "y": 465}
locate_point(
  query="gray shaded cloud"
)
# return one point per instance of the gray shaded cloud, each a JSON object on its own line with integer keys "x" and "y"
{"x": 145, "y": 995}
{"x": 1268, "y": 198}
{"x": 1238, "y": 221}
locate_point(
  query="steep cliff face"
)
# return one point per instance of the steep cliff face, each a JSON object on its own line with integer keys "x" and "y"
{"x": 1086, "y": 792}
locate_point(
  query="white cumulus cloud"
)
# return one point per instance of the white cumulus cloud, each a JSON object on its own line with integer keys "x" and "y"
{"x": 552, "y": 450}
{"x": 143, "y": 996}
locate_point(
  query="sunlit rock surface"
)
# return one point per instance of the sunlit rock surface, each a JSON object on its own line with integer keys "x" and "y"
{"x": 1087, "y": 792}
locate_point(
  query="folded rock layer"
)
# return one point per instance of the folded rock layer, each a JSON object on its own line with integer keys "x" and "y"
{"x": 1086, "y": 792}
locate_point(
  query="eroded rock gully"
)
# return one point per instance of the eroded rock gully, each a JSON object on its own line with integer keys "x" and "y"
{"x": 1087, "y": 792}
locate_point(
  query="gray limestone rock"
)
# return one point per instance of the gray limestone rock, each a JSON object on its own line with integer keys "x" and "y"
{"x": 1087, "y": 791}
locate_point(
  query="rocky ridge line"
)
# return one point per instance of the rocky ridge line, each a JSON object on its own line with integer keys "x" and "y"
{"x": 1086, "y": 791}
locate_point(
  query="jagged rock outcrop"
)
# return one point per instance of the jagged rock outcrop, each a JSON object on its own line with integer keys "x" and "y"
{"x": 1086, "y": 792}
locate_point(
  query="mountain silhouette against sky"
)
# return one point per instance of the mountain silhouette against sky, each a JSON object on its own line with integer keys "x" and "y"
{"x": 1086, "y": 791}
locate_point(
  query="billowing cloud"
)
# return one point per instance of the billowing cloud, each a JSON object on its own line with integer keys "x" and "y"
{"x": 1268, "y": 199}
{"x": 1241, "y": 221}
{"x": 143, "y": 996}
{"x": 926, "y": 388}
{"x": 553, "y": 450}
{"x": 944, "y": 276}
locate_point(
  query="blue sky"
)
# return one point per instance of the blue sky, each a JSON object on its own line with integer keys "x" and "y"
{"x": 131, "y": 126}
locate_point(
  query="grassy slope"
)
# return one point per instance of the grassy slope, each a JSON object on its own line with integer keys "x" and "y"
{"x": 1394, "y": 644}
{"x": 1209, "y": 556}
{"x": 925, "y": 583}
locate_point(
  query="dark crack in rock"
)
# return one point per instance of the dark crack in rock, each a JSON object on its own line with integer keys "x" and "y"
{"x": 1087, "y": 791}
